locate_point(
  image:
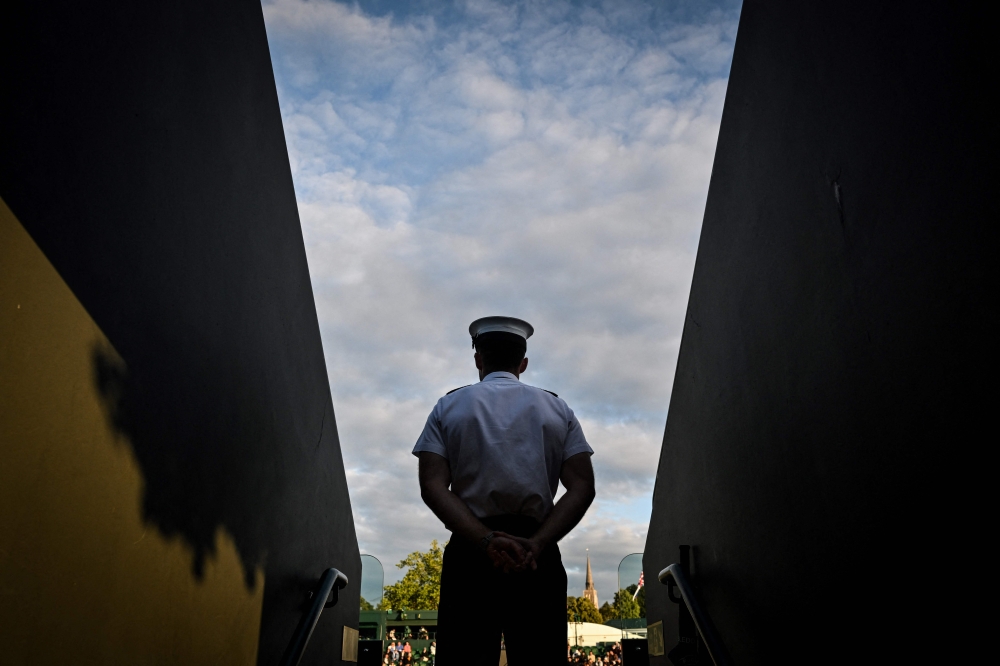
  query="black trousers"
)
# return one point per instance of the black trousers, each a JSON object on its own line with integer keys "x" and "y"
{"x": 480, "y": 602}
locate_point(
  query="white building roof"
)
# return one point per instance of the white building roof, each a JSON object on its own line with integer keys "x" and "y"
{"x": 589, "y": 633}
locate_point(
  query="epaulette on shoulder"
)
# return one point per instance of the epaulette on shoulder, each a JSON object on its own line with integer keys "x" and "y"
{"x": 551, "y": 392}
{"x": 460, "y": 388}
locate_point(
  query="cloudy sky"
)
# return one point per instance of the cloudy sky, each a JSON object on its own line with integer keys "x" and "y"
{"x": 546, "y": 160}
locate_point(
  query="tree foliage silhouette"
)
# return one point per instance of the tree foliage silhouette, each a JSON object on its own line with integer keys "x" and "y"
{"x": 639, "y": 598}
{"x": 624, "y": 607}
{"x": 581, "y": 609}
{"x": 420, "y": 588}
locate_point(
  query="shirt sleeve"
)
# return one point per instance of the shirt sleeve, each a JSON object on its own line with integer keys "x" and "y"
{"x": 432, "y": 439}
{"x": 575, "y": 441}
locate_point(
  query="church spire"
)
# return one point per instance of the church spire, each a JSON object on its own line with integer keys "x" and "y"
{"x": 589, "y": 591}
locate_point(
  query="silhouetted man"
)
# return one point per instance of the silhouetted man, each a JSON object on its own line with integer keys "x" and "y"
{"x": 492, "y": 455}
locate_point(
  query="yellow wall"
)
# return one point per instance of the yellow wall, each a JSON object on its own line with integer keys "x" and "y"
{"x": 82, "y": 579}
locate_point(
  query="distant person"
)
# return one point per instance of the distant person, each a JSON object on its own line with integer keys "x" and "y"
{"x": 491, "y": 458}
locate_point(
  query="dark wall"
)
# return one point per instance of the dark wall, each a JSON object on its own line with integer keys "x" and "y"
{"x": 141, "y": 147}
{"x": 827, "y": 416}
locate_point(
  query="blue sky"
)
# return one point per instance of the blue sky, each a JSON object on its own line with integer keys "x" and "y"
{"x": 545, "y": 160}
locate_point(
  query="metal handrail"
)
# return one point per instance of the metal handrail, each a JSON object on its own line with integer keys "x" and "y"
{"x": 325, "y": 596}
{"x": 675, "y": 574}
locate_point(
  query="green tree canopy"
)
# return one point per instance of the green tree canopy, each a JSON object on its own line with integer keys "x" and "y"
{"x": 366, "y": 605}
{"x": 639, "y": 598}
{"x": 420, "y": 588}
{"x": 581, "y": 609}
{"x": 625, "y": 606}
{"x": 607, "y": 612}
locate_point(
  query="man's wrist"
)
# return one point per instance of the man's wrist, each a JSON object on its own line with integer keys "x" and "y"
{"x": 484, "y": 543}
{"x": 541, "y": 542}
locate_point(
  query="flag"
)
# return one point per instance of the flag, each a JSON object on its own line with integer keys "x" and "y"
{"x": 639, "y": 586}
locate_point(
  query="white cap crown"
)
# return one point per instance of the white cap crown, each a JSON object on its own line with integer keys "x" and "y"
{"x": 502, "y": 325}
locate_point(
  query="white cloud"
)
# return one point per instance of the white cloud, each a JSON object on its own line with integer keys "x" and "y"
{"x": 543, "y": 160}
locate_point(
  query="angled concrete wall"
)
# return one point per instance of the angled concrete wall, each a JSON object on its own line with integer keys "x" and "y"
{"x": 830, "y": 402}
{"x": 171, "y": 482}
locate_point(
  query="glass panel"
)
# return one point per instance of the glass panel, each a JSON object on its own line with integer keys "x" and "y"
{"x": 372, "y": 582}
{"x": 630, "y": 600}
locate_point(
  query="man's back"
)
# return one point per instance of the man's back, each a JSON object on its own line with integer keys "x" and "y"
{"x": 505, "y": 442}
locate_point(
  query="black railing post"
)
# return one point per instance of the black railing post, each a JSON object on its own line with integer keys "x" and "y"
{"x": 326, "y": 594}
{"x": 691, "y": 613}
{"x": 688, "y": 650}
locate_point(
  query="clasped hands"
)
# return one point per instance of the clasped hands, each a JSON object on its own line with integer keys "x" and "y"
{"x": 513, "y": 554}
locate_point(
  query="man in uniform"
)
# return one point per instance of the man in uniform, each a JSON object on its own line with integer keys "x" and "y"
{"x": 491, "y": 458}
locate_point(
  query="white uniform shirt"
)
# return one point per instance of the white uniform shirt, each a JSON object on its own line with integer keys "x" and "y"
{"x": 505, "y": 443}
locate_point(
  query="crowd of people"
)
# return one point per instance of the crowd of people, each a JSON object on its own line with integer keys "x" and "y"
{"x": 401, "y": 653}
{"x": 608, "y": 656}
{"x": 402, "y": 633}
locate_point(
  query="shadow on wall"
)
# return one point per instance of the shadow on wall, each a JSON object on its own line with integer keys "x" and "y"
{"x": 211, "y": 459}
{"x": 193, "y": 484}
{"x": 70, "y": 509}
{"x": 219, "y": 449}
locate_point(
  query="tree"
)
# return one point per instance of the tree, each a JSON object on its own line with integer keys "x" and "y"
{"x": 366, "y": 605}
{"x": 420, "y": 588}
{"x": 625, "y": 606}
{"x": 639, "y": 598}
{"x": 582, "y": 609}
{"x": 607, "y": 612}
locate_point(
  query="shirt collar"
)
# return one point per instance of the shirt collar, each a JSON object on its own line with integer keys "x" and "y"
{"x": 493, "y": 376}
